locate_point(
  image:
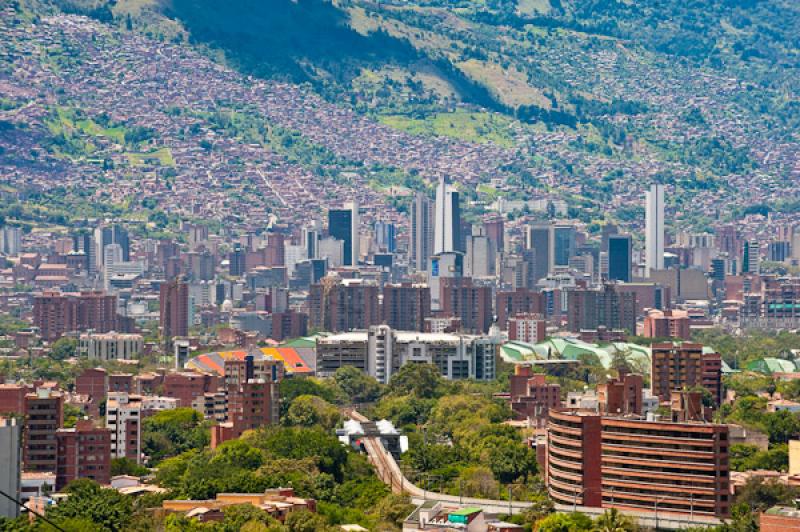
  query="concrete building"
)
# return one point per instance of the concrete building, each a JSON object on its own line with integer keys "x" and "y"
{"x": 110, "y": 346}
{"x": 637, "y": 465}
{"x": 382, "y": 351}
{"x": 10, "y": 465}
{"x": 654, "y": 228}
{"x": 420, "y": 246}
{"x": 124, "y": 415}
{"x": 529, "y": 328}
{"x": 447, "y": 225}
{"x": 667, "y": 324}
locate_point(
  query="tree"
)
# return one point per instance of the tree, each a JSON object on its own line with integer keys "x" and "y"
{"x": 64, "y": 348}
{"x": 478, "y": 481}
{"x": 572, "y": 522}
{"x": 310, "y": 411}
{"x": 420, "y": 380}
{"x": 759, "y": 494}
{"x": 357, "y": 385}
{"x": 305, "y": 521}
{"x": 126, "y": 466}
{"x": 105, "y": 508}
{"x": 613, "y": 521}
{"x": 781, "y": 426}
{"x": 171, "y": 432}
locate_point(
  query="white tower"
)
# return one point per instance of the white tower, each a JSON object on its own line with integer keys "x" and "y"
{"x": 654, "y": 228}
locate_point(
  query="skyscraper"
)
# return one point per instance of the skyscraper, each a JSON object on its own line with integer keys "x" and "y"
{"x": 447, "y": 235}
{"x": 619, "y": 258}
{"x": 343, "y": 225}
{"x": 420, "y": 245}
{"x": 563, "y": 244}
{"x": 654, "y": 228}
{"x": 174, "y": 300}
{"x": 540, "y": 239}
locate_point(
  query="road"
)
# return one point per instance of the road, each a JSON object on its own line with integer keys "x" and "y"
{"x": 390, "y": 473}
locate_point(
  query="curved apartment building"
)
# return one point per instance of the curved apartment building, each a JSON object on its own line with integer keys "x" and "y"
{"x": 636, "y": 464}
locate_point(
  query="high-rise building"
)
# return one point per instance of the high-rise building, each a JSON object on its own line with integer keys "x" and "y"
{"x": 447, "y": 226}
{"x": 607, "y": 307}
{"x": 654, "y": 228}
{"x": 10, "y": 240}
{"x": 57, "y": 313}
{"x": 480, "y": 256}
{"x": 174, "y": 307}
{"x": 44, "y": 415}
{"x": 494, "y": 228}
{"x": 343, "y": 224}
{"x": 471, "y": 303}
{"x": 10, "y": 465}
{"x": 343, "y": 304}
{"x": 520, "y": 301}
{"x": 237, "y": 261}
{"x": 107, "y": 235}
{"x": 751, "y": 257}
{"x": 406, "y": 306}
{"x": 539, "y": 238}
{"x": 620, "y": 258}
{"x": 563, "y": 244}
{"x": 679, "y": 366}
{"x": 385, "y": 236}
{"x": 84, "y": 451}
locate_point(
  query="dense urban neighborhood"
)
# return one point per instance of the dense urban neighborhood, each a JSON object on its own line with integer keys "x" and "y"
{"x": 423, "y": 266}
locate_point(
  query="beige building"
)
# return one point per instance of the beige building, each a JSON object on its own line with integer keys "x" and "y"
{"x": 110, "y": 346}
{"x": 794, "y": 457}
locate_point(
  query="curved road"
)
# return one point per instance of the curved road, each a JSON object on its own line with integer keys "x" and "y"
{"x": 390, "y": 473}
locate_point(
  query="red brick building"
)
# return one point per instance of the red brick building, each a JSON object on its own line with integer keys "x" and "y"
{"x": 472, "y": 303}
{"x": 520, "y": 301}
{"x": 174, "y": 309}
{"x": 675, "y": 366}
{"x": 637, "y": 465}
{"x": 44, "y": 415}
{"x": 406, "y": 306}
{"x": 56, "y": 313}
{"x": 83, "y": 452}
{"x": 12, "y": 398}
{"x": 93, "y": 383}
{"x": 667, "y": 324}
{"x": 186, "y": 386}
{"x": 531, "y": 395}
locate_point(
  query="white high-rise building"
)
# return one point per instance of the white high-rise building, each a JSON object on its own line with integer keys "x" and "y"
{"x": 10, "y": 241}
{"x": 654, "y": 228}
{"x": 447, "y": 226}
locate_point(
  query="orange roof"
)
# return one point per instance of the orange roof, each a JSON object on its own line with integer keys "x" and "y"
{"x": 291, "y": 360}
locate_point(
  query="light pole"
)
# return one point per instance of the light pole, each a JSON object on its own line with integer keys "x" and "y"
{"x": 575, "y": 499}
{"x": 655, "y": 508}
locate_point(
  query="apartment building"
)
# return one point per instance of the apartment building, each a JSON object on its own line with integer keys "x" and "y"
{"x": 637, "y": 464}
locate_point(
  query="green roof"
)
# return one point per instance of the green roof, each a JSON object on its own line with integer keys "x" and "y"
{"x": 465, "y": 511}
{"x": 308, "y": 342}
{"x": 573, "y": 349}
{"x": 770, "y": 365}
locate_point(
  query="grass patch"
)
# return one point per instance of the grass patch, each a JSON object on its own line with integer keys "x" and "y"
{"x": 463, "y": 125}
{"x": 162, "y": 156}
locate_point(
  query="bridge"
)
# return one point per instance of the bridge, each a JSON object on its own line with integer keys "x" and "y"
{"x": 390, "y": 473}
